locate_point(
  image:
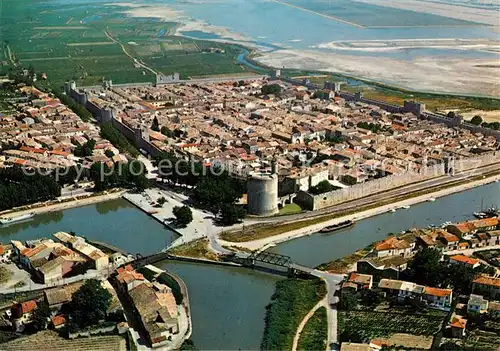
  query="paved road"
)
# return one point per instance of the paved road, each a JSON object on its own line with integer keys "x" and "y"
{"x": 333, "y": 282}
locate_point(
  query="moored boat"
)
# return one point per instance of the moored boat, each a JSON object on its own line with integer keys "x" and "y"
{"x": 338, "y": 226}
{"x": 9, "y": 220}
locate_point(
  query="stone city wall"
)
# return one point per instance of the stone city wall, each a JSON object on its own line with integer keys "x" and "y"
{"x": 357, "y": 191}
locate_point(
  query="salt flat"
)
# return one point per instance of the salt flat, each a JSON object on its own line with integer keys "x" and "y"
{"x": 452, "y": 75}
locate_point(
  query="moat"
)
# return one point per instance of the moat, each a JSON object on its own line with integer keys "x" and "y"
{"x": 234, "y": 299}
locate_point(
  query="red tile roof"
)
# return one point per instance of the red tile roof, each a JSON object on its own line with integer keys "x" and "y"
{"x": 487, "y": 280}
{"x": 58, "y": 320}
{"x": 464, "y": 259}
{"x": 28, "y": 306}
{"x": 458, "y": 322}
{"x": 437, "y": 291}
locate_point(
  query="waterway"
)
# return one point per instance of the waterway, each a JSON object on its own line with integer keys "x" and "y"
{"x": 228, "y": 304}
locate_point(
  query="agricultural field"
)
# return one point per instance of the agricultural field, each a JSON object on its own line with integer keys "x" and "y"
{"x": 67, "y": 43}
{"x": 370, "y": 324}
{"x": 46, "y": 340}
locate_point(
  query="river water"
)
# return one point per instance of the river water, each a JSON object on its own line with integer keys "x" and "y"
{"x": 228, "y": 304}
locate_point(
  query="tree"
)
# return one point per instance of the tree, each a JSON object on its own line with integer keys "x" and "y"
{"x": 167, "y": 132}
{"x": 476, "y": 120}
{"x": 183, "y": 215}
{"x": 155, "y": 125}
{"x": 451, "y": 114}
{"x": 425, "y": 267}
{"x": 271, "y": 89}
{"x": 89, "y": 304}
{"x": 214, "y": 191}
{"x": 40, "y": 317}
{"x": 118, "y": 140}
{"x": 348, "y": 302}
{"x": 109, "y": 153}
{"x": 161, "y": 201}
{"x": 231, "y": 214}
{"x": 322, "y": 187}
{"x": 86, "y": 149}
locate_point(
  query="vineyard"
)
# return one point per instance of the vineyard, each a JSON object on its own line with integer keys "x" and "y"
{"x": 50, "y": 340}
{"x": 68, "y": 44}
{"x": 375, "y": 324}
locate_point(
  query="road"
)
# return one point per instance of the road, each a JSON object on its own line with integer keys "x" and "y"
{"x": 136, "y": 61}
{"x": 333, "y": 283}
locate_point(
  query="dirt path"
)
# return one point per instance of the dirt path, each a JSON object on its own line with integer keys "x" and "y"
{"x": 136, "y": 61}
{"x": 322, "y": 303}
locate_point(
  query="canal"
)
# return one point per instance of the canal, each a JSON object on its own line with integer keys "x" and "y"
{"x": 228, "y": 304}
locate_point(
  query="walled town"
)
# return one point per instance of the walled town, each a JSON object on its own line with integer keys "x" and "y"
{"x": 286, "y": 144}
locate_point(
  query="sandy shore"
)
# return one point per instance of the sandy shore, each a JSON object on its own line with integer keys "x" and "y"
{"x": 469, "y": 76}
{"x": 466, "y": 13}
{"x": 66, "y": 205}
{"x": 267, "y": 242}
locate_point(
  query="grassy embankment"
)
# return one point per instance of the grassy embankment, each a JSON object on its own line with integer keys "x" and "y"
{"x": 291, "y": 301}
{"x": 342, "y": 265}
{"x": 289, "y": 209}
{"x": 195, "y": 249}
{"x": 314, "y": 336}
{"x": 261, "y": 231}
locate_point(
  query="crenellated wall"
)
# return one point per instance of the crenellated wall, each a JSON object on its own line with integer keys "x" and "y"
{"x": 357, "y": 191}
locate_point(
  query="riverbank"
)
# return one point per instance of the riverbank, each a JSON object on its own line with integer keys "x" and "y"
{"x": 264, "y": 243}
{"x": 60, "y": 205}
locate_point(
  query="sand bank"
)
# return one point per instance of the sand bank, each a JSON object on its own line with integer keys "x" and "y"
{"x": 431, "y": 74}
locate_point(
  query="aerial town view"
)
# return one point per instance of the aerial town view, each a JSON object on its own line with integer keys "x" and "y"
{"x": 250, "y": 175}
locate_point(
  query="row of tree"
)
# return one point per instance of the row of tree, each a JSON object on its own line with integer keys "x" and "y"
{"x": 118, "y": 139}
{"x": 18, "y": 188}
{"x": 213, "y": 189}
{"x": 128, "y": 175}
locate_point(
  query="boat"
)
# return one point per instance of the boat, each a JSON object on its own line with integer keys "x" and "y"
{"x": 393, "y": 210}
{"x": 10, "y": 220}
{"x": 405, "y": 207}
{"x": 338, "y": 226}
{"x": 480, "y": 215}
{"x": 431, "y": 199}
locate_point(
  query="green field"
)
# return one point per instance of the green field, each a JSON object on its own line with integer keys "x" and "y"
{"x": 67, "y": 43}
